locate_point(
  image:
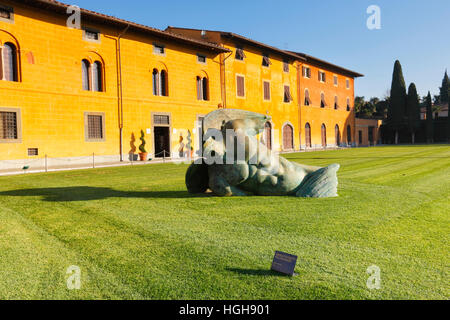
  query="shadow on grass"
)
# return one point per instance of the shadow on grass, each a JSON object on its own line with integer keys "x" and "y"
{"x": 256, "y": 272}
{"x": 67, "y": 194}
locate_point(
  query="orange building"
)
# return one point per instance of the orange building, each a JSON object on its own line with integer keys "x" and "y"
{"x": 74, "y": 92}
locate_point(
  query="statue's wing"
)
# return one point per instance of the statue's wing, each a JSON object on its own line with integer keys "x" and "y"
{"x": 218, "y": 117}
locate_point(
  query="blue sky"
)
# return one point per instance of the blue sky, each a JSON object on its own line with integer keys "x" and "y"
{"x": 411, "y": 31}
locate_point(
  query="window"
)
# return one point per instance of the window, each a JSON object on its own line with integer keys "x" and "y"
{"x": 360, "y": 139}
{"x": 336, "y": 103}
{"x": 202, "y": 89}
{"x": 161, "y": 119}
{"x": 85, "y": 72}
{"x": 307, "y": 98}
{"x": 160, "y": 83}
{"x": 92, "y": 76}
{"x": 33, "y": 152}
{"x": 323, "y": 104}
{"x": 287, "y": 94}
{"x": 266, "y": 61}
{"x": 240, "y": 86}
{"x": 306, "y": 72}
{"x": 91, "y": 35}
{"x": 9, "y": 125}
{"x": 201, "y": 59}
{"x": 347, "y": 83}
{"x": 94, "y": 126}
{"x": 335, "y": 79}
{"x": 348, "y": 104}
{"x": 97, "y": 77}
{"x": 9, "y": 62}
{"x": 266, "y": 85}
{"x": 159, "y": 49}
{"x": 240, "y": 55}
{"x": 285, "y": 66}
{"x": 6, "y": 13}
{"x": 155, "y": 80}
{"x": 322, "y": 76}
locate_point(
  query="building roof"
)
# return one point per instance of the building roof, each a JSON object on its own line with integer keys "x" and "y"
{"x": 328, "y": 65}
{"x": 92, "y": 16}
{"x": 231, "y": 35}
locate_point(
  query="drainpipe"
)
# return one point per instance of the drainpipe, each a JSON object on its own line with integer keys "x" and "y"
{"x": 223, "y": 76}
{"x": 120, "y": 89}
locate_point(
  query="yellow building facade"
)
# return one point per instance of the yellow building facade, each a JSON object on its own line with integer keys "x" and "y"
{"x": 77, "y": 92}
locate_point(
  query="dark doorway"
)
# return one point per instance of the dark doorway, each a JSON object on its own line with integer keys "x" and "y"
{"x": 308, "y": 135}
{"x": 288, "y": 137}
{"x": 337, "y": 135}
{"x": 349, "y": 135}
{"x": 324, "y": 136}
{"x": 371, "y": 142}
{"x": 162, "y": 142}
{"x": 360, "y": 139}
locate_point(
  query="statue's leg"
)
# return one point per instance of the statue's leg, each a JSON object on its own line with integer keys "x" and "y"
{"x": 322, "y": 183}
{"x": 222, "y": 188}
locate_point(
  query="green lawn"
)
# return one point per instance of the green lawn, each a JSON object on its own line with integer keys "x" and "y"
{"x": 137, "y": 234}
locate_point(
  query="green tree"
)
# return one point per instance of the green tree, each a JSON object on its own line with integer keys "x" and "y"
{"x": 429, "y": 123}
{"x": 444, "y": 89}
{"x": 413, "y": 111}
{"x": 397, "y": 106}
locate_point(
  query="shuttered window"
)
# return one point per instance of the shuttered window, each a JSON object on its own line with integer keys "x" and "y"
{"x": 8, "y": 125}
{"x": 307, "y": 98}
{"x": 266, "y": 90}
{"x": 155, "y": 80}
{"x": 266, "y": 61}
{"x": 240, "y": 86}
{"x": 240, "y": 55}
{"x": 287, "y": 94}
{"x": 348, "y": 104}
{"x": 323, "y": 104}
{"x": 163, "y": 83}
{"x": 6, "y": 13}
{"x": 159, "y": 49}
{"x": 285, "y": 66}
{"x": 336, "y": 103}
{"x": 347, "y": 83}
{"x": 335, "y": 80}
{"x": 306, "y": 72}
{"x": 322, "y": 76}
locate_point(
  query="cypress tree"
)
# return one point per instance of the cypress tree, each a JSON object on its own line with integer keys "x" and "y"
{"x": 445, "y": 89}
{"x": 429, "y": 126}
{"x": 413, "y": 111}
{"x": 397, "y": 106}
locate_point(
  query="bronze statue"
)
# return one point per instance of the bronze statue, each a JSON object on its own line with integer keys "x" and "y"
{"x": 235, "y": 163}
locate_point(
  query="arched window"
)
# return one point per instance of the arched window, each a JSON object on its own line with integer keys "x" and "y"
{"x": 164, "y": 82}
{"x": 322, "y": 100}
{"x": 307, "y": 98}
{"x": 324, "y": 135}
{"x": 202, "y": 88}
{"x": 85, "y": 72}
{"x": 337, "y": 135}
{"x": 308, "y": 135}
{"x": 336, "y": 103}
{"x": 9, "y": 56}
{"x": 155, "y": 78}
{"x": 349, "y": 135}
{"x": 97, "y": 76}
{"x": 348, "y": 104}
{"x": 268, "y": 135}
{"x": 288, "y": 137}
{"x": 205, "y": 89}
